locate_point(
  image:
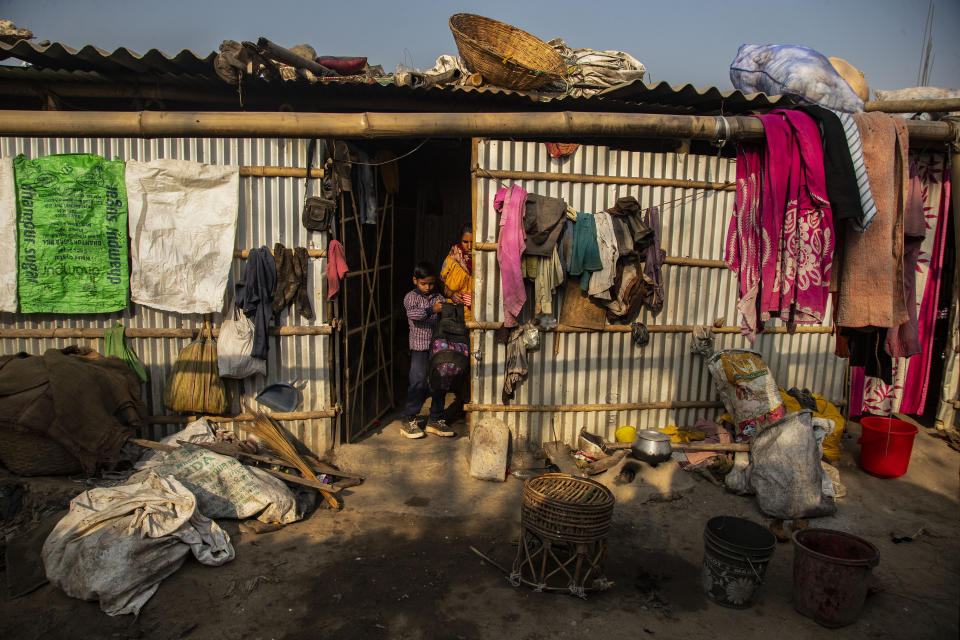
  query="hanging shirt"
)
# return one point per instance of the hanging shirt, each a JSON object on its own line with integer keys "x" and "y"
{"x": 842, "y": 187}
{"x": 854, "y": 143}
{"x": 602, "y": 280}
{"x": 585, "y": 255}
{"x": 653, "y": 259}
{"x": 255, "y": 297}
{"x": 511, "y": 204}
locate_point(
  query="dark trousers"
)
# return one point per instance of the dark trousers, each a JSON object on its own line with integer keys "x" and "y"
{"x": 417, "y": 391}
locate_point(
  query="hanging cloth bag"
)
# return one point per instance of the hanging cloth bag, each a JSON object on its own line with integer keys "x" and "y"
{"x": 116, "y": 345}
{"x": 319, "y": 211}
{"x": 236, "y": 346}
{"x": 194, "y": 385}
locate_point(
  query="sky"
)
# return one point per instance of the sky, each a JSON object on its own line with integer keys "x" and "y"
{"x": 680, "y": 41}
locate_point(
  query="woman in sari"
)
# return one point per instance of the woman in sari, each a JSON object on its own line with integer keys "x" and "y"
{"x": 457, "y": 272}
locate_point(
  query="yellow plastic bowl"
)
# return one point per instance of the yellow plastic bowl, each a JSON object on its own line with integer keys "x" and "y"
{"x": 626, "y": 433}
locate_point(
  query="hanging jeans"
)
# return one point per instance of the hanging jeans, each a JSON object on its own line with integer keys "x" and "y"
{"x": 417, "y": 391}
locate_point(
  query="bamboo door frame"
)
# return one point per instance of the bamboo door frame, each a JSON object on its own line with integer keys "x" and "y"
{"x": 375, "y": 327}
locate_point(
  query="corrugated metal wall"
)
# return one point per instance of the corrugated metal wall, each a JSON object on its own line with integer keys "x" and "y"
{"x": 269, "y": 212}
{"x": 603, "y": 367}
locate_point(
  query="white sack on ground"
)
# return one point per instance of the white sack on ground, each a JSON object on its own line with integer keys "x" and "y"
{"x": 225, "y": 487}
{"x": 198, "y": 431}
{"x": 116, "y": 544}
{"x": 8, "y": 237}
{"x": 183, "y": 224}
{"x": 785, "y": 470}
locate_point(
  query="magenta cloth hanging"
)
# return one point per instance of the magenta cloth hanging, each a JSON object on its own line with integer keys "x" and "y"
{"x": 511, "y": 203}
{"x": 780, "y": 241}
{"x": 744, "y": 240}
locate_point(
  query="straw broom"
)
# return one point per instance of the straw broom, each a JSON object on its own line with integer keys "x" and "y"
{"x": 273, "y": 435}
{"x": 194, "y": 384}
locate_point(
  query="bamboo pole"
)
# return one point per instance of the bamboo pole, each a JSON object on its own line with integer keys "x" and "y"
{"x": 913, "y": 106}
{"x": 689, "y": 446}
{"x": 133, "y": 332}
{"x": 655, "y": 328}
{"x": 569, "y": 408}
{"x": 274, "y": 124}
{"x": 681, "y": 262}
{"x": 710, "y": 446}
{"x": 313, "y": 253}
{"x": 247, "y": 417}
{"x": 265, "y": 171}
{"x": 591, "y": 179}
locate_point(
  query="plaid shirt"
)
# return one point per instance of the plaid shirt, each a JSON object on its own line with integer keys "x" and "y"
{"x": 421, "y": 318}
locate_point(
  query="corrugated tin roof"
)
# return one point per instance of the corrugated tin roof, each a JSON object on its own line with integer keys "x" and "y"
{"x": 122, "y": 60}
{"x": 57, "y": 62}
{"x": 700, "y": 100}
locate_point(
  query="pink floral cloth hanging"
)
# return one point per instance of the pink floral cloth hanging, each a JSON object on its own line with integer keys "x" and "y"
{"x": 780, "y": 240}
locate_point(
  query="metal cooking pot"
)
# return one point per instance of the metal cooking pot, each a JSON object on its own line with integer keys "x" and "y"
{"x": 651, "y": 446}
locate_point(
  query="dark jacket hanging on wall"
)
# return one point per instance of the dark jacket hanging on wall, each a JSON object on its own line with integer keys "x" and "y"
{"x": 632, "y": 235}
{"x": 542, "y": 223}
{"x": 255, "y": 297}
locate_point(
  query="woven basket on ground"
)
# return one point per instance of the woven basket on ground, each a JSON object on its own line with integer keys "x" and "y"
{"x": 25, "y": 453}
{"x": 566, "y": 508}
{"x": 504, "y": 55}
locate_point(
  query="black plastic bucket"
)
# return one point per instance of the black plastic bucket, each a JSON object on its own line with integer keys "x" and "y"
{"x": 735, "y": 557}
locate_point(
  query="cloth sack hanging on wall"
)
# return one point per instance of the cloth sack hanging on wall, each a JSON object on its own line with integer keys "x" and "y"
{"x": 183, "y": 226}
{"x": 72, "y": 234}
{"x": 235, "y": 347}
{"x": 8, "y": 237}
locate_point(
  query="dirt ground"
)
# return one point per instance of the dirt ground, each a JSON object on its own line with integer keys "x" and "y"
{"x": 396, "y": 561}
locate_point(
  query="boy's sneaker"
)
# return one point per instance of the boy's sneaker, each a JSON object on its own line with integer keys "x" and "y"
{"x": 410, "y": 428}
{"x": 439, "y": 428}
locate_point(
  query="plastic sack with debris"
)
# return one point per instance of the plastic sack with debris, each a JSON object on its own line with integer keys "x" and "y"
{"x": 117, "y": 544}
{"x": 225, "y": 487}
{"x": 591, "y": 71}
{"x": 785, "y": 470}
{"x": 747, "y": 389}
{"x": 799, "y": 71}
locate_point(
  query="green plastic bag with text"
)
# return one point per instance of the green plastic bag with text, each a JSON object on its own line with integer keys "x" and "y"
{"x": 71, "y": 234}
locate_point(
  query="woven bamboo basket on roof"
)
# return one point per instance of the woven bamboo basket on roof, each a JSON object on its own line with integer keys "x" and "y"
{"x": 504, "y": 55}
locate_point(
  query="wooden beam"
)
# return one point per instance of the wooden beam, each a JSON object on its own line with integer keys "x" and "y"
{"x": 913, "y": 106}
{"x": 571, "y": 408}
{"x": 681, "y": 262}
{"x": 592, "y": 179}
{"x": 655, "y": 328}
{"x": 279, "y": 172}
{"x": 166, "y": 333}
{"x": 313, "y": 253}
{"x": 246, "y": 417}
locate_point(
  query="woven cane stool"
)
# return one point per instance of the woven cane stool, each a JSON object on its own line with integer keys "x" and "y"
{"x": 564, "y": 523}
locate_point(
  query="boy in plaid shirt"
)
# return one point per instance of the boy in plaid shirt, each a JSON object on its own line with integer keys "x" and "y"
{"x": 422, "y": 305}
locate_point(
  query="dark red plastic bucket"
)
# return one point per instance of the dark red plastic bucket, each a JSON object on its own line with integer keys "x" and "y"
{"x": 885, "y": 446}
{"x": 831, "y": 575}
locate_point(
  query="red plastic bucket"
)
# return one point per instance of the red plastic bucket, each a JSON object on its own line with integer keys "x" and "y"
{"x": 885, "y": 446}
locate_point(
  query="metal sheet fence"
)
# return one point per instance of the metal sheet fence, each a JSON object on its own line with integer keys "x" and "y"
{"x": 269, "y": 212}
{"x": 604, "y": 367}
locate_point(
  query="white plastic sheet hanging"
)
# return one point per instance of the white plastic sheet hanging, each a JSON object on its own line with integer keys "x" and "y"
{"x": 8, "y": 237}
{"x": 183, "y": 223}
